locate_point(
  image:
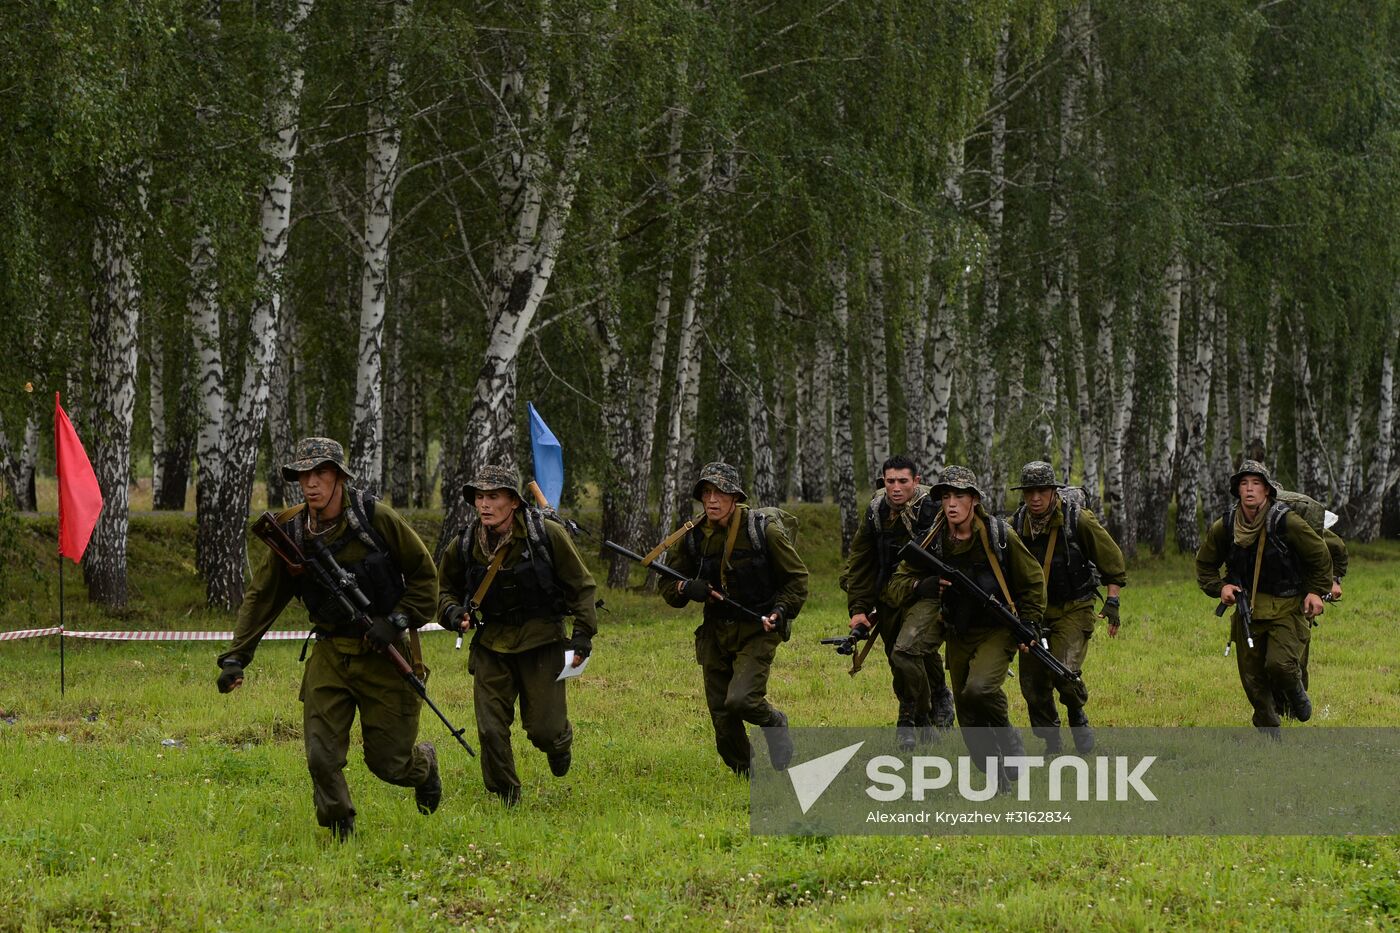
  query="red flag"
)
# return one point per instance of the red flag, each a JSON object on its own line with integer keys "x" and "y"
{"x": 79, "y": 497}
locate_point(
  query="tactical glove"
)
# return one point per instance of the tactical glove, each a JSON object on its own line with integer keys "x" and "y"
{"x": 581, "y": 644}
{"x": 1110, "y": 611}
{"x": 929, "y": 587}
{"x": 452, "y": 617}
{"x": 386, "y": 631}
{"x": 697, "y": 591}
{"x": 230, "y": 672}
{"x": 782, "y": 624}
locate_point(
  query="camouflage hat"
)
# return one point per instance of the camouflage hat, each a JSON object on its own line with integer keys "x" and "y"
{"x": 1038, "y": 475}
{"x": 723, "y": 477}
{"x": 312, "y": 452}
{"x": 492, "y": 476}
{"x": 958, "y": 479}
{"x": 1252, "y": 468}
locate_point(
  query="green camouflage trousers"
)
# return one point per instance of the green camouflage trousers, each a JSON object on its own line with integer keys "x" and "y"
{"x": 912, "y": 637}
{"x": 1274, "y": 664}
{"x": 1068, "y": 628}
{"x": 342, "y": 676}
{"x": 498, "y": 680}
{"x": 735, "y": 661}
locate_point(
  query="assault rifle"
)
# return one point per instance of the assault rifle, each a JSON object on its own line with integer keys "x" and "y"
{"x": 847, "y": 645}
{"x": 1246, "y": 617}
{"x": 672, "y": 573}
{"x": 345, "y": 590}
{"x": 1021, "y": 630}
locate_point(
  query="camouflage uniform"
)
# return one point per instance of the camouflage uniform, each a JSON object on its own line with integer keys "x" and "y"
{"x": 734, "y": 652}
{"x": 517, "y": 652}
{"x": 911, "y": 644}
{"x": 1287, "y": 573}
{"x": 344, "y": 673}
{"x": 980, "y": 647}
{"x": 1070, "y": 587}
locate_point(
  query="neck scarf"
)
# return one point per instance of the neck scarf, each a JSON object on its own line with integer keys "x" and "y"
{"x": 1247, "y": 532}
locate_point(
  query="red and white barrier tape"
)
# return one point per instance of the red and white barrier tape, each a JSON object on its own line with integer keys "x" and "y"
{"x": 164, "y": 636}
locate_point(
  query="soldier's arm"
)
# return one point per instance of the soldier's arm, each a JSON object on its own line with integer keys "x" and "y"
{"x": 789, "y": 573}
{"x": 1027, "y": 581}
{"x": 678, "y": 558}
{"x": 580, "y": 592}
{"x": 1338, "y": 549}
{"x": 452, "y": 586}
{"x": 267, "y": 595}
{"x": 1100, "y": 548}
{"x": 411, "y": 556}
{"x": 1209, "y": 557}
{"x": 862, "y": 570}
{"x": 1314, "y": 562}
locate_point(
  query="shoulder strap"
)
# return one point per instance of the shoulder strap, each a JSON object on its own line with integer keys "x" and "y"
{"x": 666, "y": 543}
{"x": 464, "y": 542}
{"x": 1072, "y": 510}
{"x": 1018, "y": 519}
{"x": 995, "y": 559}
{"x": 360, "y": 517}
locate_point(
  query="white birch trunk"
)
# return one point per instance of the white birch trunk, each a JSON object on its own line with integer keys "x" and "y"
{"x": 1163, "y": 448}
{"x": 538, "y": 203}
{"x": 841, "y": 414}
{"x": 1349, "y": 473}
{"x": 687, "y": 375}
{"x": 1313, "y": 475}
{"x": 1367, "y": 526}
{"x": 1257, "y": 386}
{"x": 986, "y": 371}
{"x": 116, "y": 312}
{"x": 157, "y": 411}
{"x": 1191, "y": 478}
{"x": 382, "y": 141}
{"x": 877, "y": 404}
{"x": 1221, "y": 423}
{"x": 1117, "y": 501}
{"x": 228, "y": 516}
{"x": 915, "y": 375}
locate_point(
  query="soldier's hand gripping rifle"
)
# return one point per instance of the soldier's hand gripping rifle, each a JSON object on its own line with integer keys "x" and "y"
{"x": 672, "y": 573}
{"x": 345, "y": 590}
{"x": 1021, "y": 630}
{"x": 861, "y": 633}
{"x": 1246, "y": 616}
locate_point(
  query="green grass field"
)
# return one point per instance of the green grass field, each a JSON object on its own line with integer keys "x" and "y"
{"x": 143, "y": 799}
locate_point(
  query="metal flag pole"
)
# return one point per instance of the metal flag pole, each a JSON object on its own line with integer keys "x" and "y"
{"x": 62, "y": 673}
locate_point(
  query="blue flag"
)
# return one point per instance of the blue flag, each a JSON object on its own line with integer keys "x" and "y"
{"x": 548, "y": 456}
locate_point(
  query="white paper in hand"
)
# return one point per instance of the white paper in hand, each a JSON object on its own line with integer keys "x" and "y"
{"x": 569, "y": 670}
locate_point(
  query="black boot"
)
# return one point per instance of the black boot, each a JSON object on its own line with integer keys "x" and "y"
{"x": 1300, "y": 703}
{"x": 1054, "y": 741}
{"x": 343, "y": 829}
{"x": 429, "y": 794}
{"x": 779, "y": 741}
{"x": 905, "y": 735}
{"x": 1079, "y": 729}
{"x": 943, "y": 712}
{"x": 1009, "y": 744}
{"x": 927, "y": 733}
{"x": 559, "y": 764}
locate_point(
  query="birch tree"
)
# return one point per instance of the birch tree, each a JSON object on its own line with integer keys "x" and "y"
{"x": 383, "y": 137}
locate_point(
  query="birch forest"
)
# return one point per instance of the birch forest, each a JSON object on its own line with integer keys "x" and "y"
{"x": 1139, "y": 239}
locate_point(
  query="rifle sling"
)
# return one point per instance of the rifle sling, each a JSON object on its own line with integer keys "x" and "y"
{"x": 1049, "y": 553}
{"x": 670, "y": 539}
{"x": 996, "y": 566}
{"x": 729, "y": 540}
{"x": 1258, "y": 560}
{"x": 490, "y": 577}
{"x": 858, "y": 661}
